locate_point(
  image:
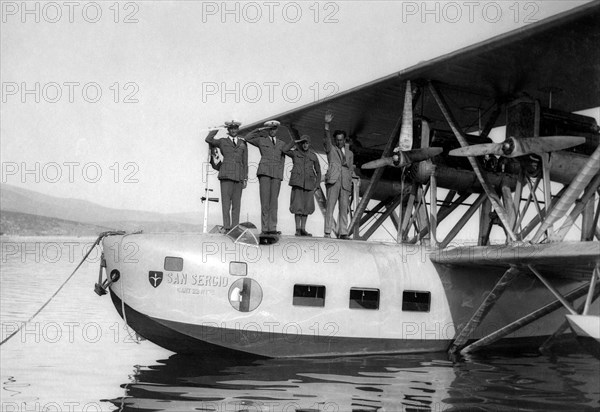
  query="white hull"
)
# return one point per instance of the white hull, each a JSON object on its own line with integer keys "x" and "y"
{"x": 198, "y": 307}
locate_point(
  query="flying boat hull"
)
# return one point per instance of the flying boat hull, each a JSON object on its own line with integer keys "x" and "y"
{"x": 306, "y": 297}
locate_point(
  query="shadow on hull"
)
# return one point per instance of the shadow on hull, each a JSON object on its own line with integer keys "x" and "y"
{"x": 167, "y": 335}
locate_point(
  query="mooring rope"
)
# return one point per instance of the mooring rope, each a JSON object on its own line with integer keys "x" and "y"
{"x": 96, "y": 243}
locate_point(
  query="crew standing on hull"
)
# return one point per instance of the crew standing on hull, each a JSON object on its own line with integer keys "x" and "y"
{"x": 269, "y": 173}
{"x": 304, "y": 180}
{"x": 233, "y": 172}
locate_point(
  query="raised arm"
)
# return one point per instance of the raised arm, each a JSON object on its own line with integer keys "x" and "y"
{"x": 210, "y": 138}
{"x": 287, "y": 149}
{"x": 253, "y": 136}
{"x": 327, "y": 137}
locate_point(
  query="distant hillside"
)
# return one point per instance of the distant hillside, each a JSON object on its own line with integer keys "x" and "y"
{"x": 21, "y": 208}
{"x": 27, "y": 201}
{"x": 24, "y": 224}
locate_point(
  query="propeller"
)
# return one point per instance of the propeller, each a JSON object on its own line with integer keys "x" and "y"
{"x": 513, "y": 147}
{"x": 406, "y": 132}
{"x": 403, "y": 155}
{"x": 404, "y": 158}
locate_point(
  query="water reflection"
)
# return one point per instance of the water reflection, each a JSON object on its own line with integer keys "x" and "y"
{"x": 375, "y": 383}
{"x": 342, "y": 384}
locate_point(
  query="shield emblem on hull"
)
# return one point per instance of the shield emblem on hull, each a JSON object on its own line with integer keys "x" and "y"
{"x": 155, "y": 278}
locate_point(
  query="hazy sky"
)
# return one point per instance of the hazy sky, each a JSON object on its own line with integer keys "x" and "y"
{"x": 125, "y": 90}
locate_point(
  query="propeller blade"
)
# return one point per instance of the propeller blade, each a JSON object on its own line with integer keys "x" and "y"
{"x": 478, "y": 150}
{"x": 386, "y": 161}
{"x": 406, "y": 132}
{"x": 513, "y": 147}
{"x": 405, "y": 158}
{"x": 547, "y": 144}
{"x": 418, "y": 155}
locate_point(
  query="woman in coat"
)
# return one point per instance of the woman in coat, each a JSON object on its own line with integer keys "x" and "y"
{"x": 305, "y": 179}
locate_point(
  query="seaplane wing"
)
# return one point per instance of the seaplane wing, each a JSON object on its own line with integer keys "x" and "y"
{"x": 572, "y": 260}
{"x": 558, "y": 54}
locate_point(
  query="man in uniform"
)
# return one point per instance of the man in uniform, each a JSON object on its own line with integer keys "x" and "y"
{"x": 338, "y": 178}
{"x": 304, "y": 180}
{"x": 269, "y": 173}
{"x": 233, "y": 172}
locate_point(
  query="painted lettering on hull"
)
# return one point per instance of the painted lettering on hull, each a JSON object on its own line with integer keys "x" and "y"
{"x": 197, "y": 280}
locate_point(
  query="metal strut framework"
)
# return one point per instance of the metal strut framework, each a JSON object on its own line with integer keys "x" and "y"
{"x": 517, "y": 208}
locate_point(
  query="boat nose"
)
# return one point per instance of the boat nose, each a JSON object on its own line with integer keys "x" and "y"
{"x": 108, "y": 273}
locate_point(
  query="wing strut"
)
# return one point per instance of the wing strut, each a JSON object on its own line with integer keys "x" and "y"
{"x": 483, "y": 310}
{"x": 525, "y": 320}
{"x": 390, "y": 207}
{"x": 581, "y": 205}
{"x": 474, "y": 163}
{"x": 584, "y": 177}
{"x": 364, "y": 200}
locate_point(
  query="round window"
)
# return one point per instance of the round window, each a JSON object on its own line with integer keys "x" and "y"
{"x": 245, "y": 295}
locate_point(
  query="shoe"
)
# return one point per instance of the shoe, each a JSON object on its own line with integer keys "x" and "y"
{"x": 304, "y": 233}
{"x": 274, "y": 232}
{"x": 327, "y": 235}
{"x": 344, "y": 237}
{"x": 299, "y": 232}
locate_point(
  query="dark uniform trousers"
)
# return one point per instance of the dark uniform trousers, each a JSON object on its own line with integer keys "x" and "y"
{"x": 270, "y": 175}
{"x": 231, "y": 199}
{"x": 232, "y": 174}
{"x": 269, "y": 196}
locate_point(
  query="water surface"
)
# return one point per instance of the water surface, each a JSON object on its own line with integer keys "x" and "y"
{"x": 77, "y": 355}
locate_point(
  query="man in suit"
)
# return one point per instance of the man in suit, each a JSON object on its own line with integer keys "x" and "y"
{"x": 233, "y": 172}
{"x": 269, "y": 173}
{"x": 338, "y": 178}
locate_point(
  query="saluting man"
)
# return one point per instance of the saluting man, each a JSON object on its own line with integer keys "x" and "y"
{"x": 233, "y": 172}
{"x": 338, "y": 178}
{"x": 304, "y": 180}
{"x": 269, "y": 173}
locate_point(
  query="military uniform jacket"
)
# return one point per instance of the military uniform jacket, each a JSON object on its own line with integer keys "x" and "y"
{"x": 306, "y": 172}
{"x": 340, "y": 167}
{"x": 235, "y": 157}
{"x": 272, "y": 159}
